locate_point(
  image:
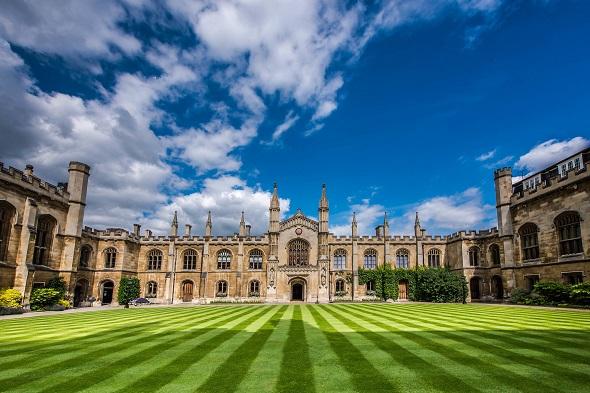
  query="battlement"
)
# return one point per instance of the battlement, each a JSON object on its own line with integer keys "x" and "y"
{"x": 501, "y": 172}
{"x": 472, "y": 234}
{"x": 550, "y": 184}
{"x": 33, "y": 183}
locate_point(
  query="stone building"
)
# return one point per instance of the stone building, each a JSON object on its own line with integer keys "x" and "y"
{"x": 543, "y": 234}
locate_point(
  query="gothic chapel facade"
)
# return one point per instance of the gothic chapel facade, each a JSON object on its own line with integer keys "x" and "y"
{"x": 543, "y": 234}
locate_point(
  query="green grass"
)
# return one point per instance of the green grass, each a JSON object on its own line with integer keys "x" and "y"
{"x": 299, "y": 348}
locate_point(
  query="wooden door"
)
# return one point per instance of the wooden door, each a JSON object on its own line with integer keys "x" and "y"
{"x": 403, "y": 290}
{"x": 187, "y": 291}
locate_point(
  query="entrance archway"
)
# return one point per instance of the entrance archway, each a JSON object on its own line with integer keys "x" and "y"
{"x": 80, "y": 292}
{"x": 106, "y": 292}
{"x": 297, "y": 290}
{"x": 403, "y": 290}
{"x": 187, "y": 291}
{"x": 474, "y": 285}
{"x": 497, "y": 287}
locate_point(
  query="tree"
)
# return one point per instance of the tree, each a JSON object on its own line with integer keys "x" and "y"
{"x": 128, "y": 290}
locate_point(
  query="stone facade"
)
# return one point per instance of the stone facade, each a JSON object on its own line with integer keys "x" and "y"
{"x": 298, "y": 258}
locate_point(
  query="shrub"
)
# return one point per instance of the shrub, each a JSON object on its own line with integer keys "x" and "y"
{"x": 128, "y": 290}
{"x": 519, "y": 296}
{"x": 424, "y": 284}
{"x": 59, "y": 284}
{"x": 10, "y": 298}
{"x": 553, "y": 292}
{"x": 64, "y": 303}
{"x": 42, "y": 298}
{"x": 580, "y": 293}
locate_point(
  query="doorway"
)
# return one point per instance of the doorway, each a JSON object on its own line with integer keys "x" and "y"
{"x": 81, "y": 292}
{"x": 497, "y": 288}
{"x": 107, "y": 292}
{"x": 187, "y": 291}
{"x": 403, "y": 290}
{"x": 297, "y": 291}
{"x": 474, "y": 285}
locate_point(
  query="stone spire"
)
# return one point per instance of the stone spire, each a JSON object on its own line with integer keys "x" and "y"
{"x": 242, "y": 226}
{"x": 174, "y": 225}
{"x": 354, "y": 225}
{"x": 385, "y": 225}
{"x": 324, "y": 198}
{"x": 208, "y": 225}
{"x": 274, "y": 201}
{"x": 417, "y": 227}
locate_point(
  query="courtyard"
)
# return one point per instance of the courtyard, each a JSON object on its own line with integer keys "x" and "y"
{"x": 299, "y": 348}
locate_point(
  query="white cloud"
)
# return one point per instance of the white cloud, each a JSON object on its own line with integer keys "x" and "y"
{"x": 367, "y": 215}
{"x": 486, "y": 156}
{"x": 444, "y": 214}
{"x": 549, "y": 152}
{"x": 226, "y": 197}
{"x": 289, "y": 121}
{"x": 499, "y": 163}
{"x": 69, "y": 28}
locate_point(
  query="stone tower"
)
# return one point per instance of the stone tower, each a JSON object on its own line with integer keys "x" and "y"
{"x": 323, "y": 247}
{"x": 503, "y": 185}
{"x": 273, "y": 238}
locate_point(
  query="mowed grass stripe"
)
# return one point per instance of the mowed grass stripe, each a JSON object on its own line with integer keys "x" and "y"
{"x": 75, "y": 362}
{"x": 174, "y": 361}
{"x": 238, "y": 363}
{"x": 332, "y": 376}
{"x": 482, "y": 322}
{"x": 423, "y": 361}
{"x": 38, "y": 352}
{"x": 296, "y": 371}
{"x": 502, "y": 378}
{"x": 525, "y": 364}
{"x": 265, "y": 369}
{"x": 363, "y": 374}
{"x": 512, "y": 338}
{"x": 198, "y": 371}
{"x": 116, "y": 366}
{"x": 77, "y": 328}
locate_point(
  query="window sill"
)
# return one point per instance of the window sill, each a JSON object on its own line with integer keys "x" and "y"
{"x": 537, "y": 261}
{"x": 571, "y": 257}
{"x": 255, "y": 270}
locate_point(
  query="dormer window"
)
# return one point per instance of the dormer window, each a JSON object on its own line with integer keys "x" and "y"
{"x": 532, "y": 182}
{"x": 574, "y": 163}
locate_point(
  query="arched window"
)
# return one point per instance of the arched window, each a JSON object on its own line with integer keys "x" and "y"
{"x": 402, "y": 258}
{"x": 85, "y": 253}
{"x": 340, "y": 287}
{"x": 495, "y": 254}
{"x": 6, "y": 214}
{"x": 570, "y": 236}
{"x": 189, "y": 260}
{"x": 474, "y": 256}
{"x": 152, "y": 289}
{"x": 529, "y": 241}
{"x": 224, "y": 260}
{"x": 43, "y": 240}
{"x": 339, "y": 259}
{"x": 255, "y": 260}
{"x": 221, "y": 289}
{"x": 370, "y": 261}
{"x": 298, "y": 252}
{"x": 434, "y": 257}
{"x": 254, "y": 290}
{"x": 155, "y": 260}
{"x": 110, "y": 258}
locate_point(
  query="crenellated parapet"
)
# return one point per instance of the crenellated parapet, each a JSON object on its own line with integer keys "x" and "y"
{"x": 28, "y": 181}
{"x": 473, "y": 234}
{"x": 550, "y": 184}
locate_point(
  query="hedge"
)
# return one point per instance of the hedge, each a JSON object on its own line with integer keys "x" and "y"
{"x": 439, "y": 285}
{"x": 552, "y": 293}
{"x": 128, "y": 290}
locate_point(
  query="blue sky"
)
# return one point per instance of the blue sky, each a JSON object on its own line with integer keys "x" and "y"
{"x": 196, "y": 106}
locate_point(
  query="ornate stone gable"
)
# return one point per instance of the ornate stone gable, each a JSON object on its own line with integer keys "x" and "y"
{"x": 299, "y": 219}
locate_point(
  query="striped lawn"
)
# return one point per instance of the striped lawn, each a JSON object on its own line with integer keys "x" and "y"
{"x": 299, "y": 348}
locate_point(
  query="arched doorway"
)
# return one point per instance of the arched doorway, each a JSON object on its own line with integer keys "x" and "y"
{"x": 298, "y": 290}
{"x": 106, "y": 292}
{"x": 474, "y": 285}
{"x": 403, "y": 290}
{"x": 497, "y": 287}
{"x": 187, "y": 291}
{"x": 80, "y": 292}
